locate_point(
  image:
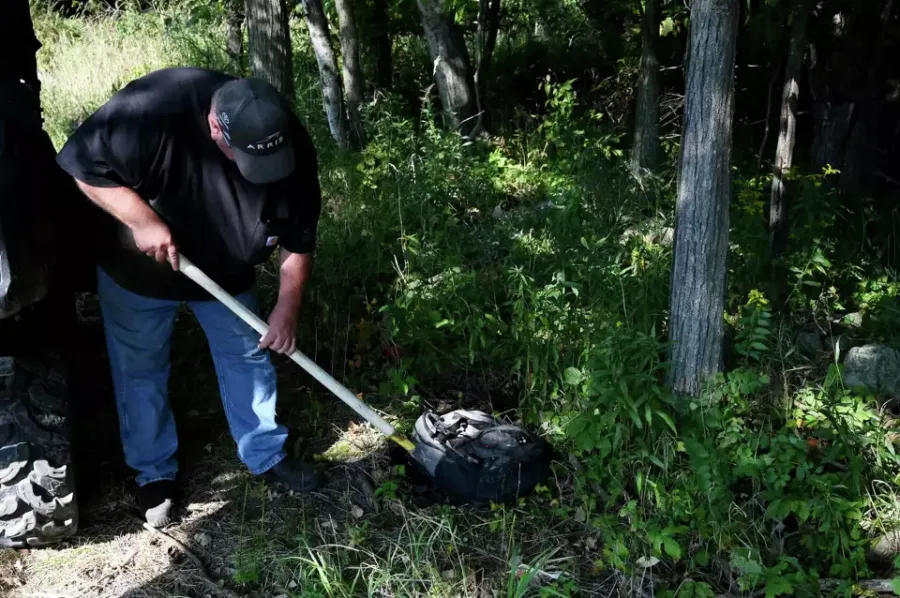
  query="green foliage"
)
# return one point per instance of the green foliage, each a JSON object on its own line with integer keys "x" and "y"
{"x": 531, "y": 266}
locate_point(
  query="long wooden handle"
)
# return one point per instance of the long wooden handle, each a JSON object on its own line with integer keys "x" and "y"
{"x": 187, "y": 267}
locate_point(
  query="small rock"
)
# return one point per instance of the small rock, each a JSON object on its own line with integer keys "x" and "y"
{"x": 810, "y": 342}
{"x": 887, "y": 547}
{"x": 203, "y": 539}
{"x": 666, "y": 237}
{"x": 875, "y": 368}
{"x": 853, "y": 320}
{"x": 356, "y": 512}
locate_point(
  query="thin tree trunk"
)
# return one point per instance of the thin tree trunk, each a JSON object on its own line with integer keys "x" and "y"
{"x": 352, "y": 70}
{"x": 269, "y": 44}
{"x": 381, "y": 36}
{"x": 697, "y": 296}
{"x": 235, "y": 41}
{"x": 488, "y": 24}
{"x": 645, "y": 152}
{"x": 452, "y": 68}
{"x": 331, "y": 83}
{"x": 784, "y": 152}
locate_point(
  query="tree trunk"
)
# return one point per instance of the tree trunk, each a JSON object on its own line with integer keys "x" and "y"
{"x": 235, "y": 40}
{"x": 452, "y": 70}
{"x": 697, "y": 295}
{"x": 352, "y": 70}
{"x": 331, "y": 83}
{"x": 269, "y": 44}
{"x": 381, "y": 36}
{"x": 784, "y": 152}
{"x": 488, "y": 24}
{"x": 645, "y": 152}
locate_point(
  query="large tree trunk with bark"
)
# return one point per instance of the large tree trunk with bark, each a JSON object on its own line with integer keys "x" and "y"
{"x": 235, "y": 38}
{"x": 352, "y": 70}
{"x": 451, "y": 66}
{"x": 488, "y": 24}
{"x": 645, "y": 151}
{"x": 784, "y": 152}
{"x": 697, "y": 296}
{"x": 381, "y": 41}
{"x": 269, "y": 44}
{"x": 332, "y": 96}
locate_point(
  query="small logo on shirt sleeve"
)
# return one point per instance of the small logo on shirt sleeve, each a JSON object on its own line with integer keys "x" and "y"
{"x": 271, "y": 241}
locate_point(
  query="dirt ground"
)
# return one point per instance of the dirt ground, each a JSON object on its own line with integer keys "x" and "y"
{"x": 223, "y": 509}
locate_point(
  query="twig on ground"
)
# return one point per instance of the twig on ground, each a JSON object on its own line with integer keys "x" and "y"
{"x": 201, "y": 574}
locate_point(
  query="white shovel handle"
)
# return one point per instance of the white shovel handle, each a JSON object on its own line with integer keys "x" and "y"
{"x": 194, "y": 273}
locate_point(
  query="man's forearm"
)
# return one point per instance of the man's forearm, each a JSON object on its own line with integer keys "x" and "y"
{"x": 294, "y": 271}
{"x": 121, "y": 202}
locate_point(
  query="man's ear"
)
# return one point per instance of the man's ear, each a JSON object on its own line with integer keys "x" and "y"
{"x": 214, "y": 129}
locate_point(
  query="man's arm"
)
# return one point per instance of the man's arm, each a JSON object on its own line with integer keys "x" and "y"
{"x": 151, "y": 234}
{"x": 295, "y": 270}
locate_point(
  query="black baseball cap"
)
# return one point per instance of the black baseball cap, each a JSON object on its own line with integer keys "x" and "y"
{"x": 255, "y": 120}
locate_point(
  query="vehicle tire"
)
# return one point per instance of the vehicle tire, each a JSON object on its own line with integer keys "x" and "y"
{"x": 37, "y": 489}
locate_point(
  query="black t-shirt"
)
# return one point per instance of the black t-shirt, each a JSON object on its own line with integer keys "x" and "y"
{"x": 153, "y": 137}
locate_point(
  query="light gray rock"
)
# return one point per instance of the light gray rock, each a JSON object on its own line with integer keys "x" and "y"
{"x": 887, "y": 547}
{"x": 874, "y": 367}
{"x": 853, "y": 320}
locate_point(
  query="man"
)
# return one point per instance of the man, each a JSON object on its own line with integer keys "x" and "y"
{"x": 219, "y": 168}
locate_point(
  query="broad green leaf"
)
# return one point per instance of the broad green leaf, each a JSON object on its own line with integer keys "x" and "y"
{"x": 671, "y": 547}
{"x": 573, "y": 376}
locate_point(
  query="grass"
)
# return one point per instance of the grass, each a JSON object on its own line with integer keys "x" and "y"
{"x": 528, "y": 274}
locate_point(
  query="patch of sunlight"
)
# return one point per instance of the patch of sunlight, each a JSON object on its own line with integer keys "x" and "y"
{"x": 355, "y": 443}
{"x": 108, "y": 561}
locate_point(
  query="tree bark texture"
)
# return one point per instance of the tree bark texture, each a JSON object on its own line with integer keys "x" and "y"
{"x": 332, "y": 96}
{"x": 784, "y": 151}
{"x": 351, "y": 71}
{"x": 645, "y": 151}
{"x": 269, "y": 44}
{"x": 235, "y": 41}
{"x": 381, "y": 38}
{"x": 452, "y": 68}
{"x": 488, "y": 24}
{"x": 697, "y": 295}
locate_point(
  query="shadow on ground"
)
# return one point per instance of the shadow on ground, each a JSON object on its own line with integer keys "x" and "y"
{"x": 227, "y": 516}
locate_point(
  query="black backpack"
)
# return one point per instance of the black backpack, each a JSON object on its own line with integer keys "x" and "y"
{"x": 475, "y": 458}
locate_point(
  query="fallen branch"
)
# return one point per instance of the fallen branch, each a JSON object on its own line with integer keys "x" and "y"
{"x": 881, "y": 586}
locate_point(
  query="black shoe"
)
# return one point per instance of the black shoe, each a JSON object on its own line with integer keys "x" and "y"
{"x": 297, "y": 475}
{"x": 157, "y": 502}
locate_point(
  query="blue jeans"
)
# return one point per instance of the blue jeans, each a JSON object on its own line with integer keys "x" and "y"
{"x": 138, "y": 336}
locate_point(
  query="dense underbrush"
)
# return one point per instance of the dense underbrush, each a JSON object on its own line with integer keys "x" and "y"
{"x": 532, "y": 272}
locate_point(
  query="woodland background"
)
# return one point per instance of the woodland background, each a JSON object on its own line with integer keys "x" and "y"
{"x": 663, "y": 233}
